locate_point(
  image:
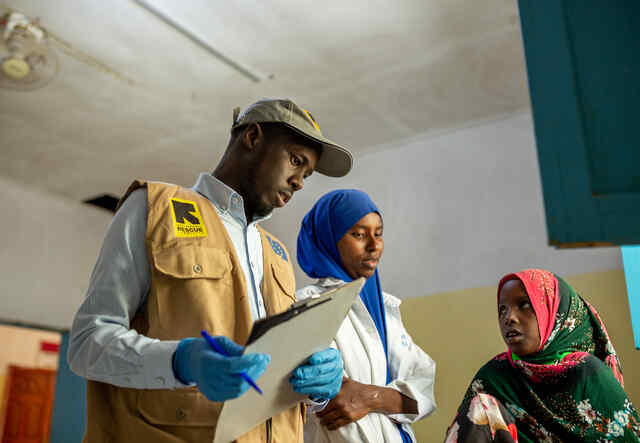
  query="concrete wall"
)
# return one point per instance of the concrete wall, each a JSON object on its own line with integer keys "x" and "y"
{"x": 48, "y": 247}
{"x": 459, "y": 208}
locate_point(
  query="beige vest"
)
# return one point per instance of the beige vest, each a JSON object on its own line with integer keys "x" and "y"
{"x": 197, "y": 283}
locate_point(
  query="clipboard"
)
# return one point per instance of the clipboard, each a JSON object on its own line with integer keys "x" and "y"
{"x": 289, "y": 337}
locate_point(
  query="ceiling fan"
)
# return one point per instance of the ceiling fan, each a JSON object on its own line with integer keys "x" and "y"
{"x": 27, "y": 58}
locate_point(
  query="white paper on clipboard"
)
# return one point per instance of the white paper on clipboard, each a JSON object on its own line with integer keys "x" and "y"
{"x": 289, "y": 344}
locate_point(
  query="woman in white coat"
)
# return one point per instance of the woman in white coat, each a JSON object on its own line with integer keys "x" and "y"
{"x": 388, "y": 379}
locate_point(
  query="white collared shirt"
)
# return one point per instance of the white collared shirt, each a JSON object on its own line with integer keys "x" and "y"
{"x": 411, "y": 370}
{"x": 102, "y": 346}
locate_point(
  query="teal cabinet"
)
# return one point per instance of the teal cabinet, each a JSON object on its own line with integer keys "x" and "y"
{"x": 583, "y": 62}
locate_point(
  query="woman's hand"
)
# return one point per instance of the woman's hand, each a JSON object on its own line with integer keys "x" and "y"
{"x": 355, "y": 400}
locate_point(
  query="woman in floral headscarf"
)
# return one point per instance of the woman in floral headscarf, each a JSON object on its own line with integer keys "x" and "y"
{"x": 560, "y": 379}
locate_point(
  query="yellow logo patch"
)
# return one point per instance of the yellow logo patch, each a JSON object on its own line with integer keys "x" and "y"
{"x": 187, "y": 220}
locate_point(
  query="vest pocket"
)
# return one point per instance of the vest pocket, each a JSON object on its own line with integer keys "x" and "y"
{"x": 192, "y": 261}
{"x": 181, "y": 407}
{"x": 191, "y": 290}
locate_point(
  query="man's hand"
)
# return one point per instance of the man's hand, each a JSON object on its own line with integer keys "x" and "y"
{"x": 321, "y": 377}
{"x": 217, "y": 377}
{"x": 354, "y": 401}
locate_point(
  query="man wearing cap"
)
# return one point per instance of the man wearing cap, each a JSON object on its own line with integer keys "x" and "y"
{"x": 176, "y": 261}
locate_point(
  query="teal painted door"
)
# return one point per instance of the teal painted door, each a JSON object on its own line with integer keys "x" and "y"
{"x": 583, "y": 62}
{"x": 69, "y": 415}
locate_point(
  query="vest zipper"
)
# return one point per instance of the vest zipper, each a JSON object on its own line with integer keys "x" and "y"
{"x": 268, "y": 430}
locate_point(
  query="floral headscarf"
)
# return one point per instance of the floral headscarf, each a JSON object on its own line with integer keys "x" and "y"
{"x": 569, "y": 327}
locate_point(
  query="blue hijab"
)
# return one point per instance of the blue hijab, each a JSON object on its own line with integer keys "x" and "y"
{"x": 323, "y": 226}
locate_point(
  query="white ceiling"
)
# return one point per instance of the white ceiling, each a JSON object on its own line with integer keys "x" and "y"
{"x": 372, "y": 72}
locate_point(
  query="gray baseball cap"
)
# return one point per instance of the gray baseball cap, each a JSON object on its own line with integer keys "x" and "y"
{"x": 335, "y": 161}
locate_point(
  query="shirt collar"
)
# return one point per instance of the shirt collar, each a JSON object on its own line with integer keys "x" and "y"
{"x": 224, "y": 198}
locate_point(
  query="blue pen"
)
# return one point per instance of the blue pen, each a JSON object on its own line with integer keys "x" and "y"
{"x": 219, "y": 350}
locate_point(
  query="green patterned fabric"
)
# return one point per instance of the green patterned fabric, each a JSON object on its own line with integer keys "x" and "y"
{"x": 569, "y": 391}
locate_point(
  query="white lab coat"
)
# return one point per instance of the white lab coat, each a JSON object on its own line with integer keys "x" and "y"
{"x": 412, "y": 371}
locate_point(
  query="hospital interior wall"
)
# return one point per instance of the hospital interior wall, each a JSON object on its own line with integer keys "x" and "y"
{"x": 47, "y": 251}
{"x": 459, "y": 330}
{"x": 459, "y": 208}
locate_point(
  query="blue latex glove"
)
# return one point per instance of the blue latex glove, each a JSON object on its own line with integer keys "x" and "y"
{"x": 217, "y": 377}
{"x": 321, "y": 377}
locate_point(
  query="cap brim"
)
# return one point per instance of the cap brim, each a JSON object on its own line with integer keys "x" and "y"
{"x": 335, "y": 161}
